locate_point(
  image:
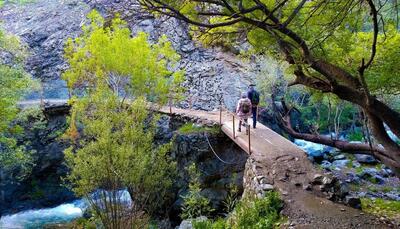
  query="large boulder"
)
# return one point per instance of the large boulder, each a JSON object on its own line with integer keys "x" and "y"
{"x": 353, "y": 201}
{"x": 340, "y": 163}
{"x": 368, "y": 172}
{"x": 326, "y": 164}
{"x": 365, "y": 159}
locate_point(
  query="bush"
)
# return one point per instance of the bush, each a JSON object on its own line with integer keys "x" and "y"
{"x": 249, "y": 214}
{"x": 194, "y": 204}
{"x": 208, "y": 224}
{"x": 258, "y": 213}
{"x": 355, "y": 136}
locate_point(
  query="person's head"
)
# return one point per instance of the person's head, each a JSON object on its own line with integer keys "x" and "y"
{"x": 251, "y": 86}
{"x": 244, "y": 95}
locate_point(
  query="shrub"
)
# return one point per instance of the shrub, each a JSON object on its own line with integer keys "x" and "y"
{"x": 194, "y": 204}
{"x": 355, "y": 136}
{"x": 208, "y": 224}
{"x": 249, "y": 213}
{"x": 257, "y": 213}
{"x": 190, "y": 128}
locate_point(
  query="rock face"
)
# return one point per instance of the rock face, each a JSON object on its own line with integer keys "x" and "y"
{"x": 212, "y": 76}
{"x": 218, "y": 169}
{"x": 44, "y": 26}
{"x": 43, "y": 188}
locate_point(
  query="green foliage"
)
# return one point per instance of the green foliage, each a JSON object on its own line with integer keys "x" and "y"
{"x": 250, "y": 213}
{"x": 208, "y": 224}
{"x": 127, "y": 65}
{"x": 190, "y": 128}
{"x": 381, "y": 207}
{"x": 195, "y": 204}
{"x": 14, "y": 84}
{"x": 257, "y": 213}
{"x": 3, "y": 2}
{"x": 350, "y": 164}
{"x": 359, "y": 170}
{"x": 113, "y": 138}
{"x": 232, "y": 198}
{"x": 323, "y": 113}
{"x": 116, "y": 151}
{"x": 355, "y": 136}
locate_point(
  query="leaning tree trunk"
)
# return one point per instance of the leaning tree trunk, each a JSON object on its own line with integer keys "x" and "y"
{"x": 387, "y": 154}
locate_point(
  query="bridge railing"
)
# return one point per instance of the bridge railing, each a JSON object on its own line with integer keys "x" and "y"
{"x": 234, "y": 117}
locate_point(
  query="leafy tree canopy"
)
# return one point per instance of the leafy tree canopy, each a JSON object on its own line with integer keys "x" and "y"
{"x": 340, "y": 32}
{"x": 116, "y": 151}
{"x": 128, "y": 65}
{"x": 114, "y": 148}
{"x": 14, "y": 84}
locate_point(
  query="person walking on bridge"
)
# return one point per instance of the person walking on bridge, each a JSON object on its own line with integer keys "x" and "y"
{"x": 254, "y": 97}
{"x": 243, "y": 110}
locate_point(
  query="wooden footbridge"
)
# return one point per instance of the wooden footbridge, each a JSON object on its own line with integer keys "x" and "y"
{"x": 261, "y": 140}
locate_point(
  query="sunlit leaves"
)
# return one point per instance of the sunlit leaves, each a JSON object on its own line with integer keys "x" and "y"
{"x": 128, "y": 65}
{"x": 14, "y": 84}
{"x": 339, "y": 32}
{"x": 116, "y": 150}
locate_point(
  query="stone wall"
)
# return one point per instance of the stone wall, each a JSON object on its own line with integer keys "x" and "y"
{"x": 254, "y": 182}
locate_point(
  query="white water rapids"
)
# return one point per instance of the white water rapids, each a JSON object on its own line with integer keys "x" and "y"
{"x": 64, "y": 213}
{"x": 34, "y": 219}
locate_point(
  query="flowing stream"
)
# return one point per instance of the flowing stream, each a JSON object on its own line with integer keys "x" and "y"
{"x": 64, "y": 213}
{"x": 34, "y": 219}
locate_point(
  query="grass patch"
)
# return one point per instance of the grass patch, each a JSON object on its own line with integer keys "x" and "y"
{"x": 379, "y": 166}
{"x": 381, "y": 207}
{"x": 373, "y": 189}
{"x": 387, "y": 189}
{"x": 190, "y": 128}
{"x": 350, "y": 164}
{"x": 359, "y": 170}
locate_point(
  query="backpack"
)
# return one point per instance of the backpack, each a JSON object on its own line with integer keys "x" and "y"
{"x": 246, "y": 106}
{"x": 255, "y": 98}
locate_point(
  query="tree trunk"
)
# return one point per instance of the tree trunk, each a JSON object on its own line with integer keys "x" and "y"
{"x": 387, "y": 154}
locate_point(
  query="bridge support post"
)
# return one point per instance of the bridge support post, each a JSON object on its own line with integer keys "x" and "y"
{"x": 248, "y": 133}
{"x": 234, "y": 134}
{"x": 41, "y": 95}
{"x": 170, "y": 106}
{"x": 220, "y": 115}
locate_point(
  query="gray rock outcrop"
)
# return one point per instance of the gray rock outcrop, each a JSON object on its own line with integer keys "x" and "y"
{"x": 212, "y": 76}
